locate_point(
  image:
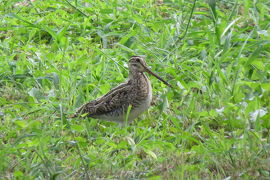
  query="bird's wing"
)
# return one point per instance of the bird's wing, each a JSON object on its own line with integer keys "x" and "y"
{"x": 115, "y": 99}
{"x": 117, "y": 88}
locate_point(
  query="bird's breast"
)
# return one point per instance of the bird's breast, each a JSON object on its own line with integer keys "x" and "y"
{"x": 143, "y": 100}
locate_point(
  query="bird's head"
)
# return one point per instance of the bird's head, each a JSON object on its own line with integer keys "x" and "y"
{"x": 138, "y": 64}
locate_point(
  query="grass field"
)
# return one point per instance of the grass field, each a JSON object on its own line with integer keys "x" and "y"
{"x": 213, "y": 124}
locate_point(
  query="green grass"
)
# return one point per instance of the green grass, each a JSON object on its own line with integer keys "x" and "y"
{"x": 214, "y": 123}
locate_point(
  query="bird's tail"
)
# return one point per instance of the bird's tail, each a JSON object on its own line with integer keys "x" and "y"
{"x": 73, "y": 115}
{"x": 81, "y": 112}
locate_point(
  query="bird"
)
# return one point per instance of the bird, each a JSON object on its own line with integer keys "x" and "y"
{"x": 126, "y": 101}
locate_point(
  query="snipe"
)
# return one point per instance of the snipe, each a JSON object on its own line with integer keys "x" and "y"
{"x": 136, "y": 93}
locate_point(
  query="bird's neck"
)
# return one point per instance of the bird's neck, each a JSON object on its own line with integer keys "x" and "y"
{"x": 138, "y": 78}
{"x": 140, "y": 82}
{"x": 135, "y": 74}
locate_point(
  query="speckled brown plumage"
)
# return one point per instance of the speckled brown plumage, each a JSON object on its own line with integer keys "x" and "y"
{"x": 136, "y": 93}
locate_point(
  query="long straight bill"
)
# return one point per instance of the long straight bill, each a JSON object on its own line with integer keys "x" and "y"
{"x": 154, "y": 74}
